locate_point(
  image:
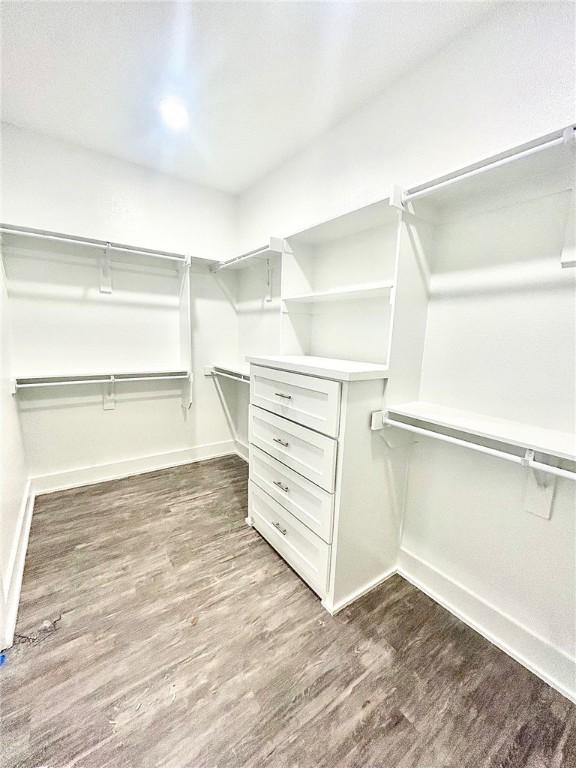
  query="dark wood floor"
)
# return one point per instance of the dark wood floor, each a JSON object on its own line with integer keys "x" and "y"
{"x": 158, "y": 631}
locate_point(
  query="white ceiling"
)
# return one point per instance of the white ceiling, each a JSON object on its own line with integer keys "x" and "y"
{"x": 260, "y": 79}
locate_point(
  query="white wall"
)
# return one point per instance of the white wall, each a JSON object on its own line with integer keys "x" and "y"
{"x": 13, "y": 472}
{"x": 467, "y": 537}
{"x": 510, "y": 79}
{"x": 52, "y": 185}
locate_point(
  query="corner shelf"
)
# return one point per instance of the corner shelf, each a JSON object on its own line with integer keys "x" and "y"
{"x": 345, "y": 293}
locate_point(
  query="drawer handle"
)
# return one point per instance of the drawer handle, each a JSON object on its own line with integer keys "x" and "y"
{"x": 280, "y": 394}
{"x": 282, "y": 487}
{"x": 282, "y": 442}
{"x": 279, "y": 527}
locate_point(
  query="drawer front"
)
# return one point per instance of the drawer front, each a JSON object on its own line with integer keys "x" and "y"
{"x": 306, "y": 452}
{"x": 305, "y": 500}
{"x": 307, "y": 400}
{"x": 302, "y": 549}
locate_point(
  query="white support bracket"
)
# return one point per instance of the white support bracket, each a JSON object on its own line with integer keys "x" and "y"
{"x": 187, "y": 392}
{"x": 569, "y": 136}
{"x": 568, "y": 257}
{"x": 397, "y": 197}
{"x": 268, "y": 297}
{"x": 109, "y": 396}
{"x": 539, "y": 488}
{"x": 105, "y": 271}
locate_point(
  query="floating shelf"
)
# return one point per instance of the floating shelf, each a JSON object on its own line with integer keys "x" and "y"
{"x": 274, "y": 248}
{"x": 561, "y": 445}
{"x": 345, "y": 293}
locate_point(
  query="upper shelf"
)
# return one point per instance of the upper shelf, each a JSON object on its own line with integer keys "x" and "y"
{"x": 548, "y": 161}
{"x": 345, "y": 293}
{"x": 328, "y": 368}
{"x": 369, "y": 217}
{"x": 10, "y": 232}
{"x": 274, "y": 248}
{"x": 548, "y": 441}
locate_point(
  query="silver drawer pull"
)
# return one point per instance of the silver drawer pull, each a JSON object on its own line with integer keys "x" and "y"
{"x": 282, "y": 442}
{"x": 286, "y": 397}
{"x": 282, "y": 487}
{"x": 279, "y": 527}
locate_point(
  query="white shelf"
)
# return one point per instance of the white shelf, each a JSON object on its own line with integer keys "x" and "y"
{"x": 329, "y": 368}
{"x": 9, "y": 231}
{"x": 345, "y": 293}
{"x": 273, "y": 248}
{"x": 377, "y": 214}
{"x": 551, "y": 442}
{"x": 32, "y": 382}
{"x": 237, "y": 371}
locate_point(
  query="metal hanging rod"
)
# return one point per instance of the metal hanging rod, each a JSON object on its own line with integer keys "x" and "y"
{"x": 526, "y": 461}
{"x": 59, "y": 381}
{"x": 561, "y": 137}
{"x": 40, "y": 234}
{"x": 234, "y": 376}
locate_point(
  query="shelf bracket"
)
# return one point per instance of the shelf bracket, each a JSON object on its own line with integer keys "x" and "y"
{"x": 397, "y": 197}
{"x": 539, "y": 489}
{"x": 109, "y": 396}
{"x": 569, "y": 136}
{"x": 268, "y": 297}
{"x": 105, "y": 271}
{"x": 187, "y": 392}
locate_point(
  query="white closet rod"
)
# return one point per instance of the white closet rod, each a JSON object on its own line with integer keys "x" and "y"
{"x": 104, "y": 380}
{"x": 488, "y": 165}
{"x": 482, "y": 449}
{"x": 100, "y": 244}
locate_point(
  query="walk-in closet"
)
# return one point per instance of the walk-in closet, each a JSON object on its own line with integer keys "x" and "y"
{"x": 288, "y": 369}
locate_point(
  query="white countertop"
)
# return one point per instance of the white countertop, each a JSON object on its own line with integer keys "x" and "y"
{"x": 327, "y": 367}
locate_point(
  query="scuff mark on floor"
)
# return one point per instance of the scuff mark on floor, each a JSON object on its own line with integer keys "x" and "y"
{"x": 47, "y": 628}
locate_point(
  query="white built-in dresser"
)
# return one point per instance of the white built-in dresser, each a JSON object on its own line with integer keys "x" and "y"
{"x": 318, "y": 492}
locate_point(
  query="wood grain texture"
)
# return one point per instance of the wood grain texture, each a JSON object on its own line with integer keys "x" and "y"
{"x": 158, "y": 631}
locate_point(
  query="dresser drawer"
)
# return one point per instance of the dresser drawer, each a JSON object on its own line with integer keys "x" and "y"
{"x": 305, "y": 500}
{"x": 307, "y": 400}
{"x": 302, "y": 549}
{"x": 303, "y": 450}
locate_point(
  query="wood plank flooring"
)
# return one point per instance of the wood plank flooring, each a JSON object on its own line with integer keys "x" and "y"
{"x": 157, "y": 630}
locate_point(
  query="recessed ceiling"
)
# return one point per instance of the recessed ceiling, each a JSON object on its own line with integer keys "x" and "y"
{"x": 259, "y": 80}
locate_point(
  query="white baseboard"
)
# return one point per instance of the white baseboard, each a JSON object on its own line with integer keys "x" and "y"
{"x": 75, "y": 478}
{"x": 242, "y": 450}
{"x": 535, "y": 653}
{"x": 13, "y": 586}
{"x": 334, "y": 608}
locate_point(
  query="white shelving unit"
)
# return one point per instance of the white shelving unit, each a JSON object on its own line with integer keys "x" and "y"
{"x": 338, "y": 284}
